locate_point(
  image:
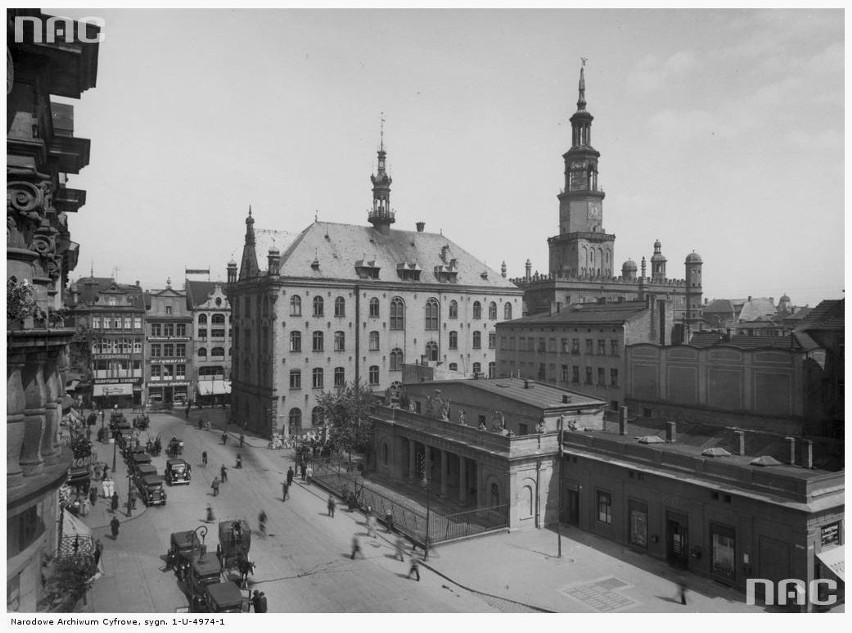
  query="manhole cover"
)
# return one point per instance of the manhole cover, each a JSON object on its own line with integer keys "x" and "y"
{"x": 599, "y": 596}
{"x": 611, "y": 583}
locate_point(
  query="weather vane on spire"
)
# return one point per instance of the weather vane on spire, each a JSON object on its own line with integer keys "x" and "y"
{"x": 584, "y": 60}
{"x": 382, "y": 131}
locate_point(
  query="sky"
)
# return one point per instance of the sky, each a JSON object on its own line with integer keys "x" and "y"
{"x": 720, "y": 131}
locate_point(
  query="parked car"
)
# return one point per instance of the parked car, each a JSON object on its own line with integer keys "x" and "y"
{"x": 178, "y": 471}
{"x": 137, "y": 459}
{"x": 225, "y": 597}
{"x": 174, "y": 448}
{"x": 144, "y": 470}
{"x": 179, "y": 554}
{"x": 152, "y": 490}
{"x": 204, "y": 570}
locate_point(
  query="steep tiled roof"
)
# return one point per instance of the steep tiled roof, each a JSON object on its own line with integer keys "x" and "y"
{"x": 91, "y": 287}
{"x": 827, "y": 315}
{"x": 585, "y": 313}
{"x": 755, "y": 342}
{"x": 724, "y": 306}
{"x": 197, "y": 291}
{"x": 757, "y": 308}
{"x": 337, "y": 247}
{"x": 706, "y": 339}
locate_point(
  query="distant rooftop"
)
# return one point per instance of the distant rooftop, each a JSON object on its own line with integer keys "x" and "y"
{"x": 529, "y": 392}
{"x": 597, "y": 313}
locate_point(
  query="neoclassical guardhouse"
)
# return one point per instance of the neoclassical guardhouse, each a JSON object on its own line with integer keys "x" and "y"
{"x": 486, "y": 443}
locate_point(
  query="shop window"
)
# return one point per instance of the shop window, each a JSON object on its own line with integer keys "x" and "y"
{"x": 723, "y": 551}
{"x": 604, "y": 507}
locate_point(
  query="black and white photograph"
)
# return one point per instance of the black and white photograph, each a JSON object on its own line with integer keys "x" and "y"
{"x": 405, "y": 310}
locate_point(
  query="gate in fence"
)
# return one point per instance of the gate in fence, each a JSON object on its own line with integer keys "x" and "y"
{"x": 409, "y": 517}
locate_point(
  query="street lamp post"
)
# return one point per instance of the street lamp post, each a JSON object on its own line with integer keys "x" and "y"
{"x": 559, "y": 493}
{"x": 193, "y": 536}
{"x": 129, "y": 494}
{"x": 114, "y": 445}
{"x": 427, "y": 474}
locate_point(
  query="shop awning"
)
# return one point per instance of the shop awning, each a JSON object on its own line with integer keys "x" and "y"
{"x": 121, "y": 389}
{"x": 214, "y": 387}
{"x": 67, "y": 402}
{"x": 834, "y": 560}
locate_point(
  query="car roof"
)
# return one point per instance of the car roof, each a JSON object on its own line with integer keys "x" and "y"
{"x": 225, "y": 593}
{"x": 175, "y": 461}
{"x": 150, "y": 480}
{"x": 210, "y": 565}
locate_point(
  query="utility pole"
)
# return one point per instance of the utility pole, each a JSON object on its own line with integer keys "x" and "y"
{"x": 559, "y": 506}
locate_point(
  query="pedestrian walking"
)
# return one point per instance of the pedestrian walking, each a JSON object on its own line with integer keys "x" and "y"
{"x": 332, "y": 504}
{"x": 84, "y": 507}
{"x": 371, "y": 525}
{"x": 114, "y": 502}
{"x": 254, "y": 599}
{"x": 285, "y": 491}
{"x": 224, "y": 437}
{"x": 261, "y": 603}
{"x": 242, "y": 440}
{"x": 114, "y": 525}
{"x": 200, "y": 423}
{"x": 215, "y": 486}
{"x": 261, "y": 520}
{"x": 224, "y": 473}
{"x": 290, "y": 475}
{"x": 210, "y": 516}
{"x": 304, "y": 469}
{"x": 106, "y": 472}
{"x": 682, "y": 591}
{"x": 187, "y": 412}
{"x": 204, "y": 458}
{"x": 356, "y": 547}
{"x": 415, "y": 568}
{"x": 99, "y": 551}
{"x": 389, "y": 520}
{"x": 239, "y": 461}
{"x": 400, "y": 548}
{"x": 93, "y": 495}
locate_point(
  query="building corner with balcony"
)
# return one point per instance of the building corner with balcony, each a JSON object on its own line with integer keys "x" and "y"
{"x": 44, "y": 59}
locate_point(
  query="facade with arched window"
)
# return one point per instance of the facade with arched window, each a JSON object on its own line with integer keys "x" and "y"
{"x": 365, "y": 317}
{"x": 210, "y": 373}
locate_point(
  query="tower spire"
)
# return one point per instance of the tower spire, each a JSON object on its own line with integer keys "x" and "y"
{"x": 581, "y": 102}
{"x": 381, "y": 216}
{"x": 248, "y": 264}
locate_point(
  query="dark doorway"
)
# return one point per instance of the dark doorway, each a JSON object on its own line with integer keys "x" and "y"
{"x": 571, "y": 514}
{"x": 677, "y": 540}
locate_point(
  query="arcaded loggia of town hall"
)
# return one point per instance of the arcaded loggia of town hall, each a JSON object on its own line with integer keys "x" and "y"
{"x": 367, "y": 417}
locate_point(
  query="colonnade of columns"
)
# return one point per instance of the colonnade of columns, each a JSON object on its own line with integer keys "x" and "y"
{"x": 453, "y": 474}
{"x": 35, "y": 387}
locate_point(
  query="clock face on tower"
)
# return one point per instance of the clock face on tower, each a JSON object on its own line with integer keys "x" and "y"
{"x": 594, "y": 210}
{"x": 577, "y": 164}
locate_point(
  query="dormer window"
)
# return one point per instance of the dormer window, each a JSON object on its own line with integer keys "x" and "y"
{"x": 408, "y": 271}
{"x": 367, "y": 269}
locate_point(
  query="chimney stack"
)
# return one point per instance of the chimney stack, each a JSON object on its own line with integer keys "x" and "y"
{"x": 791, "y": 445}
{"x": 622, "y": 421}
{"x": 740, "y": 442}
{"x": 808, "y": 460}
{"x": 421, "y": 226}
{"x": 671, "y": 432}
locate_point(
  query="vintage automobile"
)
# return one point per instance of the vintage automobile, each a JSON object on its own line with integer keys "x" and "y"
{"x": 224, "y": 597}
{"x": 234, "y": 542}
{"x": 178, "y": 471}
{"x": 141, "y": 422}
{"x": 137, "y": 459}
{"x": 183, "y": 546}
{"x": 203, "y": 570}
{"x": 152, "y": 490}
{"x": 123, "y": 437}
{"x": 174, "y": 448}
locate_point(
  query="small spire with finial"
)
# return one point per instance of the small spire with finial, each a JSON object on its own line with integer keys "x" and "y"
{"x": 581, "y": 102}
{"x": 382, "y": 132}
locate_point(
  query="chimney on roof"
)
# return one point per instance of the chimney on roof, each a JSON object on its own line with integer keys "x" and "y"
{"x": 791, "y": 450}
{"x": 671, "y": 432}
{"x": 565, "y": 398}
{"x": 526, "y": 384}
{"x": 808, "y": 457}
{"x": 740, "y": 435}
{"x": 421, "y": 226}
{"x": 137, "y": 283}
{"x": 622, "y": 421}
{"x": 749, "y": 297}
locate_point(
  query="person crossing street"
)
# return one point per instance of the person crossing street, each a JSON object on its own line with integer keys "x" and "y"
{"x": 415, "y": 567}
{"x": 224, "y": 473}
{"x": 332, "y": 504}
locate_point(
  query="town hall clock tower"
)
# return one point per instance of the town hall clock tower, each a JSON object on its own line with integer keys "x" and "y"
{"x": 582, "y": 248}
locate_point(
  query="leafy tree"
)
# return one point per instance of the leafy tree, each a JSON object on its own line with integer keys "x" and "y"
{"x": 70, "y": 577}
{"x": 347, "y": 413}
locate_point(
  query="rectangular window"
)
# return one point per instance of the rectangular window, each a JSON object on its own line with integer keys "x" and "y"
{"x": 601, "y": 347}
{"x": 168, "y": 349}
{"x": 155, "y": 350}
{"x": 563, "y": 377}
{"x": 613, "y": 347}
{"x": 96, "y": 323}
{"x": 604, "y": 507}
{"x": 128, "y": 323}
{"x": 374, "y": 341}
{"x": 295, "y": 379}
{"x": 137, "y": 323}
{"x": 156, "y": 329}
{"x": 613, "y": 378}
{"x": 541, "y": 373}
{"x": 588, "y": 375}
{"x": 575, "y": 374}
{"x": 168, "y": 372}
{"x": 374, "y": 374}
{"x": 492, "y": 339}
{"x": 169, "y": 329}
{"x": 180, "y": 329}
{"x": 168, "y": 310}
{"x": 541, "y": 345}
{"x": 202, "y": 333}
{"x": 317, "y": 378}
{"x": 638, "y": 523}
{"x": 180, "y": 372}
{"x": 563, "y": 345}
{"x": 218, "y": 333}
{"x": 601, "y": 377}
{"x": 339, "y": 377}
{"x": 107, "y": 323}
{"x": 590, "y": 346}
{"x": 155, "y": 371}
{"x": 180, "y": 349}
{"x": 575, "y": 346}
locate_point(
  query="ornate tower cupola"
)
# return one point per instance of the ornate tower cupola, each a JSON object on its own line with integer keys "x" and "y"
{"x": 248, "y": 265}
{"x": 232, "y": 271}
{"x": 582, "y": 248}
{"x": 381, "y": 216}
{"x": 658, "y": 263}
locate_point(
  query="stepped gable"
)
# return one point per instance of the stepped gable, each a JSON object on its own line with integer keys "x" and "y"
{"x": 329, "y": 250}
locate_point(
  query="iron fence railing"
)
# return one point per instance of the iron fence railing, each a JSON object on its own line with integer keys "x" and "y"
{"x": 409, "y": 517}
